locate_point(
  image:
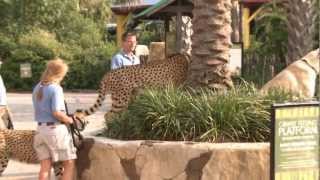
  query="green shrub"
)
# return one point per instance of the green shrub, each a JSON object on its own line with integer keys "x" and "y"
{"x": 173, "y": 114}
{"x": 150, "y": 32}
{"x": 87, "y": 65}
{"x": 44, "y": 44}
{"x": 35, "y": 47}
{"x": 7, "y": 44}
{"x": 44, "y": 30}
{"x": 80, "y": 31}
{"x": 268, "y": 45}
{"x": 10, "y": 70}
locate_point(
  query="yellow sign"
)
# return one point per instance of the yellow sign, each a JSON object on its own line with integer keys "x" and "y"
{"x": 295, "y": 152}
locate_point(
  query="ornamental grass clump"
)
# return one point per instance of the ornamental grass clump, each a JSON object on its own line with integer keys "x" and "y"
{"x": 238, "y": 115}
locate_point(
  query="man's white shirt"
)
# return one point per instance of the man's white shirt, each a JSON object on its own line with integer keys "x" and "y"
{"x": 3, "y": 94}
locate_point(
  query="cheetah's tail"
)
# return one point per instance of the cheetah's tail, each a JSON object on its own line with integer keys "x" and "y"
{"x": 96, "y": 105}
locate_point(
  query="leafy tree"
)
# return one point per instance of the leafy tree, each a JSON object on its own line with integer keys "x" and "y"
{"x": 271, "y": 31}
{"x": 267, "y": 53}
{"x": 26, "y": 14}
{"x": 98, "y": 10}
{"x": 33, "y": 31}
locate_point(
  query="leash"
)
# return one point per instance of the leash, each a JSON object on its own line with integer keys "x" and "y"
{"x": 74, "y": 129}
{"x": 313, "y": 68}
{"x": 10, "y": 124}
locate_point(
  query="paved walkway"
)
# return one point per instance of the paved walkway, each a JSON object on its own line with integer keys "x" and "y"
{"x": 22, "y": 110}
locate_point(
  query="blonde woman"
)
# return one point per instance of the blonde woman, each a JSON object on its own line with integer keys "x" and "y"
{"x": 53, "y": 142}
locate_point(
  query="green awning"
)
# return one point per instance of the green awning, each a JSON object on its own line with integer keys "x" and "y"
{"x": 153, "y": 9}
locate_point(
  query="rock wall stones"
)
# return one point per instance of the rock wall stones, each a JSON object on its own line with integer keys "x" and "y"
{"x": 142, "y": 51}
{"x": 156, "y": 160}
{"x": 157, "y": 51}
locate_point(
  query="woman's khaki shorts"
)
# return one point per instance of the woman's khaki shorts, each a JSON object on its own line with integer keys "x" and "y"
{"x": 54, "y": 142}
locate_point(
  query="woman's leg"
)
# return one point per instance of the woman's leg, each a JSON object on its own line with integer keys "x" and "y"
{"x": 68, "y": 166}
{"x": 45, "y": 169}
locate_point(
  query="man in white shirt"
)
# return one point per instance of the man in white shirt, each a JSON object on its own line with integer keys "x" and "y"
{"x": 5, "y": 116}
{"x": 126, "y": 56}
{"x": 3, "y": 94}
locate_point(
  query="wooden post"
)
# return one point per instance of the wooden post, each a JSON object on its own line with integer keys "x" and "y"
{"x": 178, "y": 29}
{"x": 121, "y": 20}
{"x": 167, "y": 29}
{"x": 246, "y": 27}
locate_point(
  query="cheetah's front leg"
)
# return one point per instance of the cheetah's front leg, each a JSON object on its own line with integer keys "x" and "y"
{"x": 120, "y": 101}
{"x": 4, "y": 155}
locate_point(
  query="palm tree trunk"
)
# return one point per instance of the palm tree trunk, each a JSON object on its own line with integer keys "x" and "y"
{"x": 211, "y": 42}
{"x": 235, "y": 23}
{"x": 301, "y": 29}
{"x": 186, "y": 35}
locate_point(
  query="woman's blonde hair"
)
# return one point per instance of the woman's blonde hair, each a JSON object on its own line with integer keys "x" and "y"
{"x": 54, "y": 73}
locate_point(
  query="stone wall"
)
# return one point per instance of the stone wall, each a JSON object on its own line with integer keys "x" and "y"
{"x": 102, "y": 158}
{"x": 157, "y": 51}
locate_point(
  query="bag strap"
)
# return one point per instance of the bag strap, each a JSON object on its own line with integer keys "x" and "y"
{"x": 74, "y": 130}
{"x": 8, "y": 123}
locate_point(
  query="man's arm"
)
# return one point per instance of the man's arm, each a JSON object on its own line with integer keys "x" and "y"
{"x": 116, "y": 62}
{"x": 3, "y": 93}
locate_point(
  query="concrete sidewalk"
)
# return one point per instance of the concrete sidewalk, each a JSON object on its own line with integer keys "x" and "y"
{"x": 22, "y": 110}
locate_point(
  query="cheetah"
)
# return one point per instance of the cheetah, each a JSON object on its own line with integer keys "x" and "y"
{"x": 18, "y": 145}
{"x": 123, "y": 83}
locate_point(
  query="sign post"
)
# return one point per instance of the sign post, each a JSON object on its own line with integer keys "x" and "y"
{"x": 295, "y": 142}
{"x": 25, "y": 70}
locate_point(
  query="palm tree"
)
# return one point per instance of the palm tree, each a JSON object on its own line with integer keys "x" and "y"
{"x": 186, "y": 30}
{"x": 210, "y": 44}
{"x": 235, "y": 23}
{"x": 99, "y": 10}
{"x": 301, "y": 28}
